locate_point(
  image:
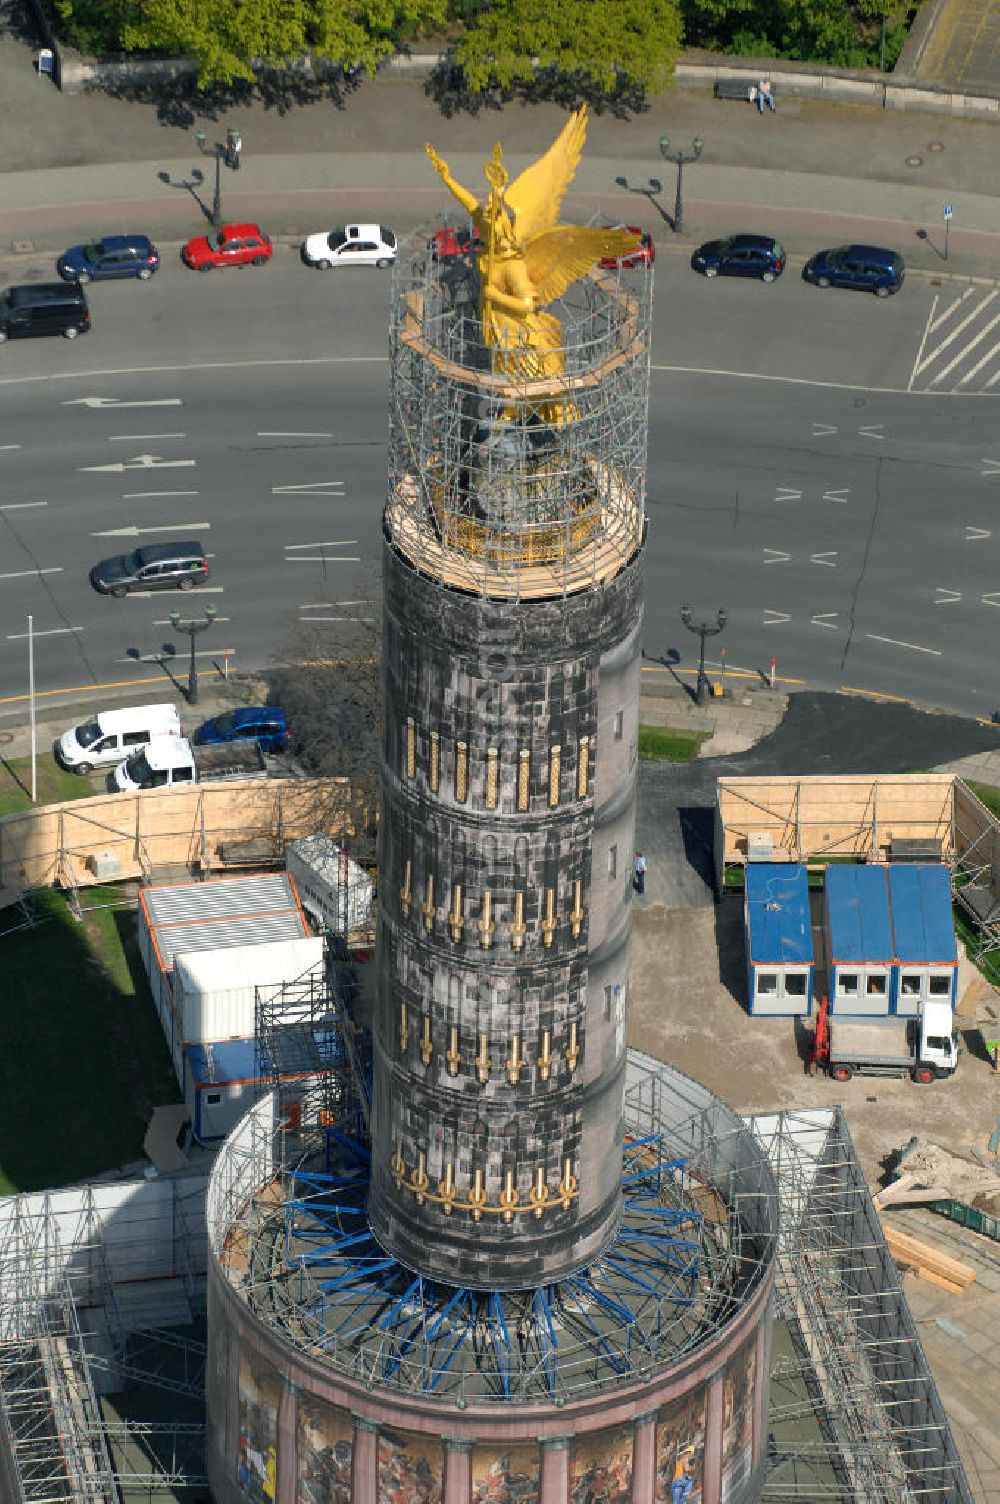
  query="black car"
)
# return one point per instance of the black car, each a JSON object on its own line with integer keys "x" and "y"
{"x": 740, "y": 256}
{"x": 43, "y": 308}
{"x": 866, "y": 268}
{"x": 157, "y": 566}
{"x": 114, "y": 256}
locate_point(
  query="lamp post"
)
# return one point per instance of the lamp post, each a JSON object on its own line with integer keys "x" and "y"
{"x": 679, "y": 159}
{"x": 228, "y": 153}
{"x": 192, "y": 629}
{"x": 703, "y": 629}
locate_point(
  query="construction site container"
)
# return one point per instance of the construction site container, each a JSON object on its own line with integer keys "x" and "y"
{"x": 335, "y": 890}
{"x": 215, "y": 990}
{"x": 859, "y": 943}
{"x": 778, "y": 939}
{"x": 923, "y": 928}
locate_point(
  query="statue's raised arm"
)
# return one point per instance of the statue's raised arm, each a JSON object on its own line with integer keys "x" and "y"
{"x": 468, "y": 200}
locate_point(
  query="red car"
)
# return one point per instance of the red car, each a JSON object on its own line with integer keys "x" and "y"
{"x": 643, "y": 255}
{"x": 448, "y": 244}
{"x": 233, "y": 245}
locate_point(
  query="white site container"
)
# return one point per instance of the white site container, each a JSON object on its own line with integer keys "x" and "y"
{"x": 215, "y": 990}
{"x": 331, "y": 886}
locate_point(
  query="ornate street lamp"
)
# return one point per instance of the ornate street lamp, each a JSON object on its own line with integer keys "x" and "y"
{"x": 703, "y": 629}
{"x": 680, "y": 158}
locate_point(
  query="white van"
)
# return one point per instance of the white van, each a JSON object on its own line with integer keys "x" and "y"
{"x": 114, "y": 735}
{"x": 163, "y": 762}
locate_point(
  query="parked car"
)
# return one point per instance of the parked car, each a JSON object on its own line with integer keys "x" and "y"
{"x": 264, "y": 724}
{"x": 867, "y": 268}
{"x": 157, "y": 566}
{"x": 643, "y": 255}
{"x": 112, "y": 735}
{"x": 169, "y": 760}
{"x": 740, "y": 256}
{"x": 350, "y": 245}
{"x": 233, "y": 245}
{"x": 451, "y": 243}
{"x": 114, "y": 256}
{"x": 44, "y": 308}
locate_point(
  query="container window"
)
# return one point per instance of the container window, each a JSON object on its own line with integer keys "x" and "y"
{"x": 939, "y": 986}
{"x": 213, "y": 1098}
{"x": 847, "y": 983}
{"x": 795, "y": 984}
{"x": 909, "y": 984}
{"x": 875, "y": 984}
{"x": 767, "y": 984}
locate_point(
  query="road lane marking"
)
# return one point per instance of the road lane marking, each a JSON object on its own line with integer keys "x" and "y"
{"x": 10, "y": 446}
{"x": 786, "y": 493}
{"x": 119, "y": 401}
{"x": 120, "y": 438}
{"x": 138, "y": 495}
{"x": 826, "y": 619}
{"x": 873, "y": 431}
{"x": 947, "y": 370}
{"x": 775, "y": 618}
{"x": 80, "y": 689}
{"x": 829, "y": 559}
{"x": 955, "y": 303}
{"x": 169, "y": 657}
{"x": 21, "y": 506}
{"x": 48, "y": 632}
{"x": 895, "y": 642}
{"x": 775, "y": 556}
{"x": 992, "y": 381}
{"x": 137, "y": 462}
{"x": 327, "y": 543}
{"x": 148, "y": 595}
{"x": 319, "y": 559}
{"x": 991, "y": 352}
{"x": 923, "y": 340}
{"x": 277, "y": 433}
{"x": 361, "y": 619}
{"x": 948, "y": 597}
{"x": 314, "y": 487}
{"x": 22, "y": 574}
{"x": 973, "y": 534}
{"x": 839, "y": 496}
{"x": 169, "y": 527}
{"x": 949, "y": 339}
{"x": 169, "y": 623}
{"x": 821, "y": 430}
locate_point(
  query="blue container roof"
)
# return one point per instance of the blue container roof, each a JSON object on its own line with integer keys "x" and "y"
{"x": 778, "y": 927}
{"x": 857, "y": 905}
{"x": 222, "y": 1064}
{"x": 922, "y": 920}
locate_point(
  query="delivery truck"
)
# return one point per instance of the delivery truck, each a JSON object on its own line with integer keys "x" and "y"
{"x": 925, "y": 1047}
{"x": 170, "y": 760}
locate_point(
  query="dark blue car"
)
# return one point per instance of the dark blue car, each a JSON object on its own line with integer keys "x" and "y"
{"x": 740, "y": 256}
{"x": 265, "y": 724}
{"x": 114, "y": 256}
{"x": 866, "y": 268}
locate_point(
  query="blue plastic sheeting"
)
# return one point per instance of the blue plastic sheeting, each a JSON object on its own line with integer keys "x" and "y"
{"x": 220, "y": 1064}
{"x": 922, "y": 921}
{"x": 858, "y": 920}
{"x": 777, "y": 908}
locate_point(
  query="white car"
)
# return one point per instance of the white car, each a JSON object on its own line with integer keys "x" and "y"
{"x": 350, "y": 245}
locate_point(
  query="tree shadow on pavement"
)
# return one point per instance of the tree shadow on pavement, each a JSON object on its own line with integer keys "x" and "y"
{"x": 180, "y": 103}
{"x": 448, "y": 88}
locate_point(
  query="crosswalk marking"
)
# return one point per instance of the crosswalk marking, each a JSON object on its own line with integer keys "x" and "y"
{"x": 959, "y": 349}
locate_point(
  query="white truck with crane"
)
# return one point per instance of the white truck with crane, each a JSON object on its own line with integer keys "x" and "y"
{"x": 924, "y": 1047}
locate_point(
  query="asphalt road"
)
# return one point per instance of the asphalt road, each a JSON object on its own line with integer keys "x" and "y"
{"x": 821, "y": 464}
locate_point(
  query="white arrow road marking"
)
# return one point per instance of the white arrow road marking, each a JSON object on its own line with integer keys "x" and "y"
{"x": 820, "y": 430}
{"x": 785, "y": 493}
{"x": 991, "y": 599}
{"x": 828, "y": 559}
{"x": 23, "y": 574}
{"x": 826, "y": 619}
{"x": 117, "y": 402}
{"x": 993, "y": 470}
{"x": 170, "y": 527}
{"x": 948, "y": 597}
{"x": 49, "y": 632}
{"x": 775, "y": 556}
{"x": 138, "y": 462}
{"x": 973, "y": 534}
{"x": 21, "y": 506}
{"x": 775, "y": 618}
{"x": 895, "y": 642}
{"x": 138, "y": 495}
{"x": 141, "y": 438}
{"x": 839, "y": 496}
{"x": 315, "y": 487}
{"x": 873, "y": 431}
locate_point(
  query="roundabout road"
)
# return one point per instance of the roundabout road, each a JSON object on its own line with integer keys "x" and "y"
{"x": 822, "y": 464}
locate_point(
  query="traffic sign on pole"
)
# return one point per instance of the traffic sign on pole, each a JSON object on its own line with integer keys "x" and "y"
{"x": 949, "y": 210}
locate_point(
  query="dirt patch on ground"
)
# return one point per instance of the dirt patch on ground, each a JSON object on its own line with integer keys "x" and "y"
{"x": 687, "y": 1006}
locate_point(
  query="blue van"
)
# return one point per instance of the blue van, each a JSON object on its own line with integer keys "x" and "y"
{"x": 866, "y": 268}
{"x": 265, "y": 724}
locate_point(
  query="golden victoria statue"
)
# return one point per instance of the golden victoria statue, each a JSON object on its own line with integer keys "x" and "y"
{"x": 528, "y": 259}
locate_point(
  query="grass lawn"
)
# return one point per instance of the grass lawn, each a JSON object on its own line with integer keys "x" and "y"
{"x": 82, "y": 1058}
{"x": 986, "y": 794}
{"x": 674, "y": 746}
{"x": 54, "y": 785}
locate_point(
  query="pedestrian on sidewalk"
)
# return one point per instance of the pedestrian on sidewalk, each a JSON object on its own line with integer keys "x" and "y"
{"x": 640, "y": 872}
{"x": 764, "y": 96}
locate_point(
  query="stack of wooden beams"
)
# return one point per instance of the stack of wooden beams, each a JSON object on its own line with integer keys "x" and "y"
{"x": 929, "y": 1263}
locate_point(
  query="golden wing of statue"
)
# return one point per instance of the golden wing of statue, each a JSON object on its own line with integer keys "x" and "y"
{"x": 536, "y": 195}
{"x": 557, "y": 257}
{"x": 467, "y": 199}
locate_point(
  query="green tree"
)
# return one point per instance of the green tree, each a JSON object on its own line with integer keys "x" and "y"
{"x": 229, "y": 36}
{"x": 599, "y": 41}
